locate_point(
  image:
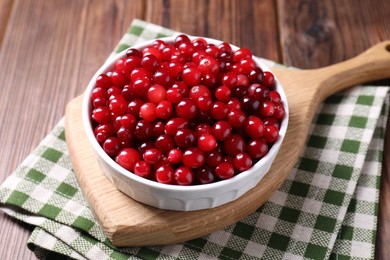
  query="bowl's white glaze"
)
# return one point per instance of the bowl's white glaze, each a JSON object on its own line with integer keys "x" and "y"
{"x": 174, "y": 197}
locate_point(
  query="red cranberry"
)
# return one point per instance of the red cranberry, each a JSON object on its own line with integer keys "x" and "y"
{"x": 148, "y": 112}
{"x": 191, "y": 76}
{"x": 103, "y": 81}
{"x": 156, "y": 93}
{"x": 223, "y": 93}
{"x": 257, "y": 148}
{"x": 267, "y": 108}
{"x": 214, "y": 158}
{"x": 103, "y": 131}
{"x": 193, "y": 157}
{"x": 205, "y": 175}
{"x": 221, "y": 130}
{"x": 236, "y": 118}
{"x": 152, "y": 155}
{"x": 268, "y": 79}
{"x": 143, "y": 130}
{"x": 125, "y": 136}
{"x": 142, "y": 169}
{"x": 127, "y": 158}
{"x": 184, "y": 176}
{"x": 175, "y": 155}
{"x": 186, "y": 108}
{"x": 164, "y": 143}
{"x": 219, "y": 110}
{"x": 242, "y": 162}
{"x": 254, "y": 127}
{"x": 164, "y": 174}
{"x": 224, "y": 171}
{"x": 234, "y": 144}
{"x": 102, "y": 115}
{"x": 185, "y": 138}
{"x": 174, "y": 124}
{"x": 164, "y": 109}
{"x": 207, "y": 142}
{"x": 111, "y": 146}
{"x": 271, "y": 134}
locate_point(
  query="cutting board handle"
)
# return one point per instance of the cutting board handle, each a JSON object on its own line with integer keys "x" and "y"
{"x": 371, "y": 65}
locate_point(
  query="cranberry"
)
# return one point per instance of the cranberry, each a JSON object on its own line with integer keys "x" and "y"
{"x": 225, "y": 170}
{"x": 186, "y": 108}
{"x": 185, "y": 138}
{"x": 221, "y": 130}
{"x": 143, "y": 130}
{"x": 142, "y": 169}
{"x": 102, "y": 115}
{"x": 236, "y": 118}
{"x": 229, "y": 79}
{"x": 152, "y": 155}
{"x": 103, "y": 81}
{"x": 164, "y": 109}
{"x": 257, "y": 148}
{"x": 133, "y": 52}
{"x": 202, "y": 129}
{"x": 205, "y": 175}
{"x": 267, "y": 109}
{"x": 148, "y": 111}
{"x": 214, "y": 158}
{"x": 209, "y": 65}
{"x": 104, "y": 131}
{"x": 111, "y": 146}
{"x": 207, "y": 142}
{"x": 128, "y": 121}
{"x": 184, "y": 176}
{"x": 134, "y": 107}
{"x": 174, "y": 124}
{"x": 241, "y": 54}
{"x": 156, "y": 93}
{"x": 127, "y": 158}
{"x": 174, "y": 95}
{"x": 125, "y": 136}
{"x": 234, "y": 144}
{"x": 204, "y": 103}
{"x": 150, "y": 63}
{"x": 219, "y": 110}
{"x": 271, "y": 134}
{"x": 268, "y": 79}
{"x": 131, "y": 63}
{"x": 163, "y": 78}
{"x": 164, "y": 174}
{"x": 164, "y": 143}
{"x": 198, "y": 91}
{"x": 279, "y": 112}
{"x": 242, "y": 162}
{"x": 256, "y": 75}
{"x": 193, "y": 157}
{"x": 118, "y": 106}
{"x": 175, "y": 155}
{"x": 254, "y": 127}
{"x": 191, "y": 76}
{"x": 223, "y": 93}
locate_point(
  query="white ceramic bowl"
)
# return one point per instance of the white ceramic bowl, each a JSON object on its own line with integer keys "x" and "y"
{"x": 174, "y": 197}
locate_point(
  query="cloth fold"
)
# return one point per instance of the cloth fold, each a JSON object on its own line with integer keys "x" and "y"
{"x": 326, "y": 208}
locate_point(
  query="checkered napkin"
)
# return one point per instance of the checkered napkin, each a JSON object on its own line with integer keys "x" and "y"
{"x": 327, "y": 207}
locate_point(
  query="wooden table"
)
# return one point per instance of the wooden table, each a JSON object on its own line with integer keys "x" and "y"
{"x": 50, "y": 49}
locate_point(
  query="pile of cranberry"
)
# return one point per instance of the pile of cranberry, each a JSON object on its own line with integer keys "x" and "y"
{"x": 186, "y": 113}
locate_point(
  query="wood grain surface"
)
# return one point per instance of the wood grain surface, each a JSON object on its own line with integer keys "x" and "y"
{"x": 50, "y": 49}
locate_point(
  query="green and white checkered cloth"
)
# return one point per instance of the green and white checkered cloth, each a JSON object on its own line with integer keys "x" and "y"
{"x": 327, "y": 207}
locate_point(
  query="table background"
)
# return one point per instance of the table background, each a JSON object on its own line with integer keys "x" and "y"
{"x": 49, "y": 50}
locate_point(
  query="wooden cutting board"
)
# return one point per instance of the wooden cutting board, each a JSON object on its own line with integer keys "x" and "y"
{"x": 127, "y": 222}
